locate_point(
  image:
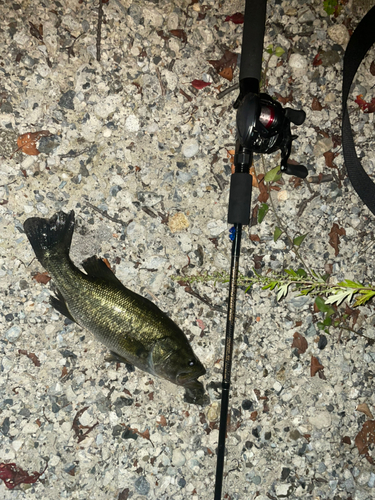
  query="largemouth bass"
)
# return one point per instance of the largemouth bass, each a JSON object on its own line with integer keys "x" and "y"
{"x": 134, "y": 329}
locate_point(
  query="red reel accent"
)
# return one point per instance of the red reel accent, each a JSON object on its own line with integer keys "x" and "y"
{"x": 267, "y": 116}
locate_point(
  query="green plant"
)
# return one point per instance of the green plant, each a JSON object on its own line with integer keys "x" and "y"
{"x": 332, "y": 7}
{"x": 316, "y": 285}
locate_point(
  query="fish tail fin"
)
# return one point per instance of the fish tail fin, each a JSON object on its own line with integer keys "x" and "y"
{"x": 50, "y": 237}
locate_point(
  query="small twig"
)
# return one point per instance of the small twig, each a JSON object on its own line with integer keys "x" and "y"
{"x": 348, "y": 329}
{"x": 74, "y": 154}
{"x": 71, "y": 48}
{"x": 281, "y": 225}
{"x": 188, "y": 97}
{"x": 3, "y": 185}
{"x": 317, "y": 179}
{"x": 304, "y": 203}
{"x": 105, "y": 214}
{"x": 223, "y": 93}
{"x": 99, "y": 30}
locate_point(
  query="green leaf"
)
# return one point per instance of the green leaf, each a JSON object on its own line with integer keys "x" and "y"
{"x": 279, "y": 51}
{"x": 320, "y": 325}
{"x": 366, "y": 296}
{"x": 323, "y": 306}
{"x": 299, "y": 239}
{"x": 329, "y": 6}
{"x": 270, "y": 286}
{"x": 327, "y": 321}
{"x": 277, "y": 233}
{"x": 269, "y": 49}
{"x": 349, "y": 284}
{"x": 302, "y": 273}
{"x": 262, "y": 212}
{"x": 291, "y": 272}
{"x": 273, "y": 175}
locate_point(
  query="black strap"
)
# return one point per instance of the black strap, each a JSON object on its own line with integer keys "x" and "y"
{"x": 360, "y": 42}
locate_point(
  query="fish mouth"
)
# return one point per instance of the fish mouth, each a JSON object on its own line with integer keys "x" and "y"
{"x": 187, "y": 379}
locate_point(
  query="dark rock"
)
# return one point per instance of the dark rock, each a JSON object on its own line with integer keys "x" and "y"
{"x": 48, "y": 144}
{"x": 322, "y": 342}
{"x": 285, "y": 473}
{"x": 4, "y": 428}
{"x": 142, "y": 485}
{"x": 66, "y": 100}
{"x": 247, "y": 405}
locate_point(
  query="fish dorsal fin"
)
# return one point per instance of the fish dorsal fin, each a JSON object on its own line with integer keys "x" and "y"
{"x": 97, "y": 268}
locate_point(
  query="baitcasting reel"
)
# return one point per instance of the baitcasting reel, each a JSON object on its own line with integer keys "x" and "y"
{"x": 263, "y": 126}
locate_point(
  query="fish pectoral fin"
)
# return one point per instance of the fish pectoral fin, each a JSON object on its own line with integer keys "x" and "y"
{"x": 59, "y": 304}
{"x": 114, "y": 357}
{"x": 97, "y": 268}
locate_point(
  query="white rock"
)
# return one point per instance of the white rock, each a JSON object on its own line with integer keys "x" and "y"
{"x": 330, "y": 97}
{"x": 282, "y": 490}
{"x": 27, "y": 162}
{"x": 17, "y": 444}
{"x": 322, "y": 146}
{"x": 216, "y": 227}
{"x": 152, "y": 17}
{"x": 132, "y": 123}
{"x": 338, "y": 33}
{"x": 107, "y": 106}
{"x": 296, "y": 61}
{"x": 13, "y": 333}
{"x": 7, "y": 454}
{"x": 178, "y": 458}
{"x": 7, "y": 364}
{"x": 321, "y": 419}
{"x": 282, "y": 195}
{"x": 277, "y": 386}
{"x": 30, "y": 428}
{"x": 190, "y": 148}
{"x": 171, "y": 79}
{"x": 172, "y": 21}
{"x": 86, "y": 418}
{"x": 54, "y": 460}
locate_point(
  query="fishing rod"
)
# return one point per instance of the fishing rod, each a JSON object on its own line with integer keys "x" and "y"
{"x": 263, "y": 126}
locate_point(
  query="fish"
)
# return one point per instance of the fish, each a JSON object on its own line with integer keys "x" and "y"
{"x": 132, "y": 327}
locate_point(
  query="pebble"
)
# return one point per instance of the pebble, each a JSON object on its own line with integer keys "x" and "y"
{"x": 339, "y": 34}
{"x": 142, "y": 485}
{"x": 30, "y": 428}
{"x": 322, "y": 146}
{"x": 132, "y": 123}
{"x": 282, "y": 490}
{"x": 371, "y": 481}
{"x": 178, "y": 458}
{"x": 298, "y": 62}
{"x": 67, "y": 100}
{"x": 190, "y": 148}
{"x": 178, "y": 222}
{"x": 321, "y": 420}
{"x": 13, "y": 333}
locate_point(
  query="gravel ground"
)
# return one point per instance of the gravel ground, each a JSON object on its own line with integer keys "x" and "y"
{"x": 142, "y": 158}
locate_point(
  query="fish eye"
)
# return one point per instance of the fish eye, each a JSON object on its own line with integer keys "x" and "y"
{"x": 191, "y": 362}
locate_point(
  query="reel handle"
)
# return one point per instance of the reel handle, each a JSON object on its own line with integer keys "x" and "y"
{"x": 296, "y": 170}
{"x": 296, "y": 116}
